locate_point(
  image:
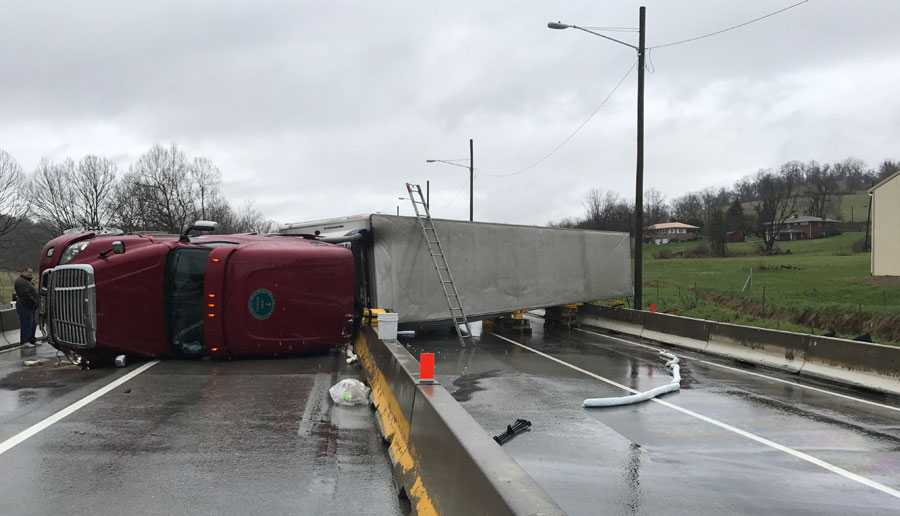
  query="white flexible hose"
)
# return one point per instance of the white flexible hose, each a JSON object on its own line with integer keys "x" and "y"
{"x": 674, "y": 385}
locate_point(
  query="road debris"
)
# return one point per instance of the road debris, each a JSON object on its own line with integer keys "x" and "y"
{"x": 351, "y": 355}
{"x": 349, "y": 392}
{"x": 674, "y": 385}
{"x": 521, "y": 425}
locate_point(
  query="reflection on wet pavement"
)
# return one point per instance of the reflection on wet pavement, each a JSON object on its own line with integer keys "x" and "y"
{"x": 649, "y": 459}
{"x": 242, "y": 437}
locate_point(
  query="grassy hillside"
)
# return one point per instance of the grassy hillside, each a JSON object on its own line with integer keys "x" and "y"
{"x": 6, "y": 286}
{"x": 821, "y": 285}
{"x": 847, "y": 207}
{"x": 852, "y": 207}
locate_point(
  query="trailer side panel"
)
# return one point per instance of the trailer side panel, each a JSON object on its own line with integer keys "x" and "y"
{"x": 497, "y": 268}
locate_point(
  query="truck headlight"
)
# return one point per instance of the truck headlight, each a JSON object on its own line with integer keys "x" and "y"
{"x": 72, "y": 251}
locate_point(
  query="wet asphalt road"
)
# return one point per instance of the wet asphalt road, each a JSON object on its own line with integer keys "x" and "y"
{"x": 652, "y": 459}
{"x": 191, "y": 437}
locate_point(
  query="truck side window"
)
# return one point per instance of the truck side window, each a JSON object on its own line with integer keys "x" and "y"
{"x": 185, "y": 269}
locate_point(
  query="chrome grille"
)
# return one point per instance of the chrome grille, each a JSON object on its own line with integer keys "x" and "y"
{"x": 72, "y": 308}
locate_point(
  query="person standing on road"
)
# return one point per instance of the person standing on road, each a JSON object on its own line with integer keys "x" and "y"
{"x": 26, "y": 307}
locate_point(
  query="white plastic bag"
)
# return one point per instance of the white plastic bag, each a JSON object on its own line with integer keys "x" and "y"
{"x": 349, "y": 391}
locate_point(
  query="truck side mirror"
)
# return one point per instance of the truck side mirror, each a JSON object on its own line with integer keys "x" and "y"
{"x": 118, "y": 247}
{"x": 200, "y": 225}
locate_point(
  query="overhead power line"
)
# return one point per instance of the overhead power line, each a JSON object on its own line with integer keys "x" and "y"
{"x": 611, "y": 29}
{"x": 726, "y": 29}
{"x": 578, "y": 129}
{"x": 581, "y": 126}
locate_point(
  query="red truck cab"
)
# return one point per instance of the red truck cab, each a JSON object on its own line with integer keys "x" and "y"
{"x": 220, "y": 295}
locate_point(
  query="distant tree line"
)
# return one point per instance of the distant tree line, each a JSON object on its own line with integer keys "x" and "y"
{"x": 758, "y": 204}
{"x": 163, "y": 190}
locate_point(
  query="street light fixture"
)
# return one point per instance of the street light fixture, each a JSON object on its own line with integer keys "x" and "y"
{"x": 398, "y": 206}
{"x": 637, "y": 268}
{"x": 471, "y": 168}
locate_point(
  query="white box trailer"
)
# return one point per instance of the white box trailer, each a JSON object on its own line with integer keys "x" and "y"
{"x": 497, "y": 268}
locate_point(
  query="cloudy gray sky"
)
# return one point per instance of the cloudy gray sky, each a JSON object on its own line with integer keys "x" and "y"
{"x": 318, "y": 109}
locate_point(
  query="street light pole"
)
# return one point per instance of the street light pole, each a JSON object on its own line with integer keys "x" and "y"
{"x": 471, "y": 181}
{"x": 471, "y": 168}
{"x": 639, "y": 180}
{"x": 638, "y": 255}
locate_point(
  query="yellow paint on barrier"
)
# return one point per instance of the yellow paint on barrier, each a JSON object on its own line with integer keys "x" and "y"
{"x": 396, "y": 430}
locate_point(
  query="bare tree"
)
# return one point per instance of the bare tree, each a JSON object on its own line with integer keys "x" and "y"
{"x": 688, "y": 209}
{"x": 221, "y": 212}
{"x": 717, "y": 233}
{"x": 821, "y": 186}
{"x": 251, "y": 220}
{"x": 852, "y": 175}
{"x": 777, "y": 201}
{"x": 734, "y": 217}
{"x": 655, "y": 208}
{"x": 52, "y": 194}
{"x": 129, "y": 204}
{"x": 745, "y": 189}
{"x": 888, "y": 168}
{"x": 608, "y": 212}
{"x": 164, "y": 190}
{"x": 160, "y": 181}
{"x": 207, "y": 181}
{"x": 594, "y": 205}
{"x": 93, "y": 186}
{"x": 13, "y": 199}
{"x": 67, "y": 195}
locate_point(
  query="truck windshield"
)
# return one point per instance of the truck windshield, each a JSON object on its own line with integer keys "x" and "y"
{"x": 185, "y": 269}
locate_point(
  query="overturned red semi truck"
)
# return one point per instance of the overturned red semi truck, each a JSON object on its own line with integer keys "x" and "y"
{"x": 303, "y": 290}
{"x": 185, "y": 296}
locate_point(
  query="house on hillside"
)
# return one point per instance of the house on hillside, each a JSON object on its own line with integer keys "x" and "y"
{"x": 805, "y": 227}
{"x": 666, "y": 232}
{"x": 885, "y": 224}
{"x": 735, "y": 236}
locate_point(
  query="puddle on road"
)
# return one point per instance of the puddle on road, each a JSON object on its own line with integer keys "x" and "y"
{"x": 468, "y": 384}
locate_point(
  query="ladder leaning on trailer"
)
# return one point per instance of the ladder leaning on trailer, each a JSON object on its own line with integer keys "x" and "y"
{"x": 438, "y": 258}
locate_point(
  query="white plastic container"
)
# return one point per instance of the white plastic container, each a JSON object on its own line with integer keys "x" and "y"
{"x": 387, "y": 326}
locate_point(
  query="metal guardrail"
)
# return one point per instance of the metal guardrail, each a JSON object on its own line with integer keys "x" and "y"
{"x": 443, "y": 459}
{"x": 861, "y": 364}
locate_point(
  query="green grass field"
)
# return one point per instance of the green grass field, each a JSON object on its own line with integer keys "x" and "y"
{"x": 822, "y": 284}
{"x": 6, "y": 286}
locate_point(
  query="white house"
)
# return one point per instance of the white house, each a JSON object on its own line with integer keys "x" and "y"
{"x": 885, "y": 226}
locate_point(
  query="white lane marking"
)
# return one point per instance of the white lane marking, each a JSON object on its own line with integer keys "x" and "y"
{"x": 751, "y": 373}
{"x": 725, "y": 426}
{"x": 10, "y": 443}
{"x": 317, "y": 396}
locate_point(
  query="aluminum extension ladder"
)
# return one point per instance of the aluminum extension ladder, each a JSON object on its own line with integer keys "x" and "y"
{"x": 454, "y": 302}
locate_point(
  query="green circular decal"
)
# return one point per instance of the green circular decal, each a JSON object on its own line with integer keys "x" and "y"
{"x": 261, "y": 304}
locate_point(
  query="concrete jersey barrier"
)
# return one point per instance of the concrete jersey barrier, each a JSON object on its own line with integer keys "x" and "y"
{"x": 444, "y": 461}
{"x": 9, "y": 328}
{"x": 861, "y": 364}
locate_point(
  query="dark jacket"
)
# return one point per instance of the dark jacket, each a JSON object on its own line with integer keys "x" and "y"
{"x": 26, "y": 295}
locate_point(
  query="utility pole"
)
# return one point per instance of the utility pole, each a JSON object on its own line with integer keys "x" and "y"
{"x": 471, "y": 181}
{"x": 428, "y": 194}
{"x": 639, "y": 182}
{"x": 638, "y": 254}
{"x": 471, "y": 168}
